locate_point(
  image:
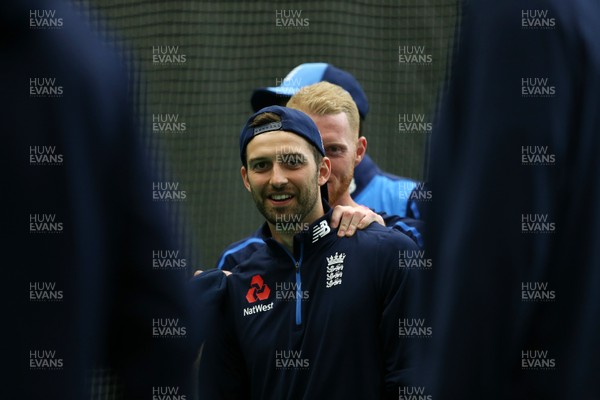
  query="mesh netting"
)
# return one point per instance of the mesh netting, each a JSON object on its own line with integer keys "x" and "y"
{"x": 218, "y": 52}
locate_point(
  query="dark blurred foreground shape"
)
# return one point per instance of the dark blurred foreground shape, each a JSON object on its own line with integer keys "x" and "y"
{"x": 517, "y": 307}
{"x": 95, "y": 261}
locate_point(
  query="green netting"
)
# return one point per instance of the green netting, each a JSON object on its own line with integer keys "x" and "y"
{"x": 231, "y": 48}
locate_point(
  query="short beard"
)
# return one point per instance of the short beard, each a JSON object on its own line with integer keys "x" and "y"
{"x": 281, "y": 216}
{"x": 341, "y": 190}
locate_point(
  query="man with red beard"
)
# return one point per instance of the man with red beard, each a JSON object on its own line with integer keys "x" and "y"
{"x": 371, "y": 186}
{"x": 336, "y": 115}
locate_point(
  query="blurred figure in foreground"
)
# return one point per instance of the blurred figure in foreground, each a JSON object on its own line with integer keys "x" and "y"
{"x": 81, "y": 226}
{"x": 515, "y": 216}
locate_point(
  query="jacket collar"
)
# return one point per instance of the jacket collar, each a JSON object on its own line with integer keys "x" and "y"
{"x": 306, "y": 239}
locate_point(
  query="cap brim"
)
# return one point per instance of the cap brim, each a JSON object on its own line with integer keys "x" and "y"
{"x": 271, "y": 96}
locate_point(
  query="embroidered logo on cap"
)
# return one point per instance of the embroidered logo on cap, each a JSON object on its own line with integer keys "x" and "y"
{"x": 272, "y": 126}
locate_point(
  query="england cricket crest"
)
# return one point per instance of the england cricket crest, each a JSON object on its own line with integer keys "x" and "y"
{"x": 335, "y": 269}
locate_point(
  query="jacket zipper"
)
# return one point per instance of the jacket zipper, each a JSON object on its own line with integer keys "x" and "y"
{"x": 297, "y": 265}
{"x": 299, "y": 287}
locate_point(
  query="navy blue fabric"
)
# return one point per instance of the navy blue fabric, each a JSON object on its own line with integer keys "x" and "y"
{"x": 357, "y": 318}
{"x": 236, "y": 248}
{"x": 291, "y": 121}
{"x": 481, "y": 257}
{"x": 101, "y": 261}
{"x": 384, "y": 192}
{"x": 413, "y": 232}
{"x": 241, "y": 250}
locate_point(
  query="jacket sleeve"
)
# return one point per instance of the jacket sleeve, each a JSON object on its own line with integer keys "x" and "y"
{"x": 394, "y": 283}
{"x": 413, "y": 228}
{"x": 219, "y": 364}
{"x": 239, "y": 251}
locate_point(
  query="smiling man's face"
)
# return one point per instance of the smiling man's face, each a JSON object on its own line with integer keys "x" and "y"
{"x": 283, "y": 177}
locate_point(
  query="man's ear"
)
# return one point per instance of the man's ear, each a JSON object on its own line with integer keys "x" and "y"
{"x": 361, "y": 150}
{"x": 245, "y": 177}
{"x": 324, "y": 171}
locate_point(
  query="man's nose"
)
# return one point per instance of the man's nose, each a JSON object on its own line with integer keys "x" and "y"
{"x": 278, "y": 176}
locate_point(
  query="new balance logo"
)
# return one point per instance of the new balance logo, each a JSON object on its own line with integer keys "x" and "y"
{"x": 320, "y": 230}
{"x": 258, "y": 290}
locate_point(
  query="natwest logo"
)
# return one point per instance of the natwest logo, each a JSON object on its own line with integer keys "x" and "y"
{"x": 258, "y": 290}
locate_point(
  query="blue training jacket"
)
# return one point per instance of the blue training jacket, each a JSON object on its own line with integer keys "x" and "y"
{"x": 321, "y": 323}
{"x": 385, "y": 192}
{"x": 239, "y": 251}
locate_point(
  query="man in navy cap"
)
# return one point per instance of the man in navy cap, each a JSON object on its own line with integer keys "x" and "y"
{"x": 278, "y": 324}
{"x": 371, "y": 186}
{"x": 337, "y": 118}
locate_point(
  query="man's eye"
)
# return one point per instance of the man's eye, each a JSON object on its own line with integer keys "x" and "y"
{"x": 332, "y": 150}
{"x": 294, "y": 162}
{"x": 260, "y": 165}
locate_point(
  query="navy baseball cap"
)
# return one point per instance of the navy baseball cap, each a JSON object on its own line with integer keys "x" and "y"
{"x": 307, "y": 74}
{"x": 291, "y": 121}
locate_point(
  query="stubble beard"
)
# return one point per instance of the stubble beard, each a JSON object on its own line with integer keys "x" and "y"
{"x": 339, "y": 191}
{"x": 305, "y": 202}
